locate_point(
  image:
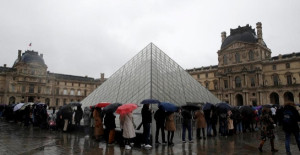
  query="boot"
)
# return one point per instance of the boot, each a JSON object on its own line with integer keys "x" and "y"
{"x": 272, "y": 146}
{"x": 261, "y": 145}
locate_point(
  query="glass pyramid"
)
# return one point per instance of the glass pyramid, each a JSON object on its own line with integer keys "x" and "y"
{"x": 150, "y": 74}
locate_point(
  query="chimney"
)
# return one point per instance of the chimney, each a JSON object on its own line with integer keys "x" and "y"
{"x": 259, "y": 32}
{"x": 223, "y": 36}
{"x": 102, "y": 76}
{"x": 4, "y": 65}
{"x": 41, "y": 55}
{"x": 19, "y": 54}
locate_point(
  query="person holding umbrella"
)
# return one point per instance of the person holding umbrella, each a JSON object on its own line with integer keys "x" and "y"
{"x": 98, "y": 130}
{"x": 201, "y": 123}
{"x": 160, "y": 118}
{"x": 128, "y": 133}
{"x": 146, "y": 121}
{"x": 186, "y": 125}
{"x": 267, "y": 129}
{"x": 110, "y": 125}
{"x": 78, "y": 116}
{"x": 170, "y": 127}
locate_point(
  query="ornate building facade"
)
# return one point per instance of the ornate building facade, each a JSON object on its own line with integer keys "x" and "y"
{"x": 29, "y": 81}
{"x": 247, "y": 74}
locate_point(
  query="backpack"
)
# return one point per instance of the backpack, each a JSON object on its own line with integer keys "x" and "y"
{"x": 287, "y": 117}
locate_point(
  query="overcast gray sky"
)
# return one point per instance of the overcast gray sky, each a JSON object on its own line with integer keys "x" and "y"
{"x": 89, "y": 37}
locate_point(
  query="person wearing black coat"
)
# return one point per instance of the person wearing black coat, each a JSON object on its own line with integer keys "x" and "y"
{"x": 78, "y": 115}
{"x": 160, "y": 118}
{"x": 110, "y": 125}
{"x": 186, "y": 124}
{"x": 290, "y": 125}
{"x": 146, "y": 121}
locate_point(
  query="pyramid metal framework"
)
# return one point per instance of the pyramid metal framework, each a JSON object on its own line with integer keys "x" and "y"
{"x": 150, "y": 74}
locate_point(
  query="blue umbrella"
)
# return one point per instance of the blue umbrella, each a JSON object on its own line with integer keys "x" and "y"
{"x": 169, "y": 107}
{"x": 150, "y": 101}
{"x": 207, "y": 106}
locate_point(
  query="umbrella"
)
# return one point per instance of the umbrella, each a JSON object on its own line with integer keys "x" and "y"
{"x": 75, "y": 104}
{"x": 26, "y": 104}
{"x": 169, "y": 107}
{"x": 126, "y": 108}
{"x": 102, "y": 104}
{"x": 246, "y": 110}
{"x": 190, "y": 107}
{"x": 223, "y": 107}
{"x": 207, "y": 106}
{"x": 267, "y": 106}
{"x": 150, "y": 101}
{"x": 18, "y": 106}
{"x": 111, "y": 108}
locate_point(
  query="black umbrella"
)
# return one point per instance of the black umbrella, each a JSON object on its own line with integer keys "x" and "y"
{"x": 223, "y": 107}
{"x": 207, "y": 106}
{"x": 111, "y": 108}
{"x": 246, "y": 110}
{"x": 190, "y": 107}
{"x": 150, "y": 101}
{"x": 66, "y": 111}
{"x": 75, "y": 104}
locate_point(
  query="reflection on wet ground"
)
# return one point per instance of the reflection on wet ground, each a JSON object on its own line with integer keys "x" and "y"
{"x": 16, "y": 139}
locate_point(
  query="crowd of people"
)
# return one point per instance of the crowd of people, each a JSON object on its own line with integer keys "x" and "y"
{"x": 234, "y": 120}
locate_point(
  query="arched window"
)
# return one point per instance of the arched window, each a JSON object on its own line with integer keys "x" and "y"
{"x": 78, "y": 92}
{"x": 251, "y": 55}
{"x": 225, "y": 59}
{"x": 238, "y": 83}
{"x": 237, "y": 58}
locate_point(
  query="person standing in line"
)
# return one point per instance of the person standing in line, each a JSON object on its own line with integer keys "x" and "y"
{"x": 110, "y": 125}
{"x": 267, "y": 129}
{"x": 146, "y": 121}
{"x": 160, "y": 118}
{"x": 214, "y": 121}
{"x": 78, "y": 116}
{"x": 86, "y": 121}
{"x": 128, "y": 127}
{"x": 186, "y": 125}
{"x": 201, "y": 123}
{"x": 230, "y": 125}
{"x": 170, "y": 127}
{"x": 98, "y": 130}
{"x": 290, "y": 125}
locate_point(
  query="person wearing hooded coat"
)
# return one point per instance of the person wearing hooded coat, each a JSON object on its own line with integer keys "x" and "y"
{"x": 170, "y": 127}
{"x": 98, "y": 130}
{"x": 267, "y": 129}
{"x": 128, "y": 127}
{"x": 290, "y": 125}
{"x": 201, "y": 123}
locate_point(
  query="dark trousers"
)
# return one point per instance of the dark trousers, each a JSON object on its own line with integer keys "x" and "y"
{"x": 146, "y": 133}
{"x": 198, "y": 133}
{"x": 160, "y": 127}
{"x": 214, "y": 128}
{"x": 189, "y": 128}
{"x": 170, "y": 137}
{"x": 287, "y": 140}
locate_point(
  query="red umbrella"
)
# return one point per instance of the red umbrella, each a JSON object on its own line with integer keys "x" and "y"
{"x": 126, "y": 108}
{"x": 102, "y": 104}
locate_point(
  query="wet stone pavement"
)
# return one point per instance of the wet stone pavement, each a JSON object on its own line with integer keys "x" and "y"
{"x": 16, "y": 139}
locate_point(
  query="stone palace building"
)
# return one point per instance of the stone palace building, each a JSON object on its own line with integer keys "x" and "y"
{"x": 29, "y": 81}
{"x": 247, "y": 73}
